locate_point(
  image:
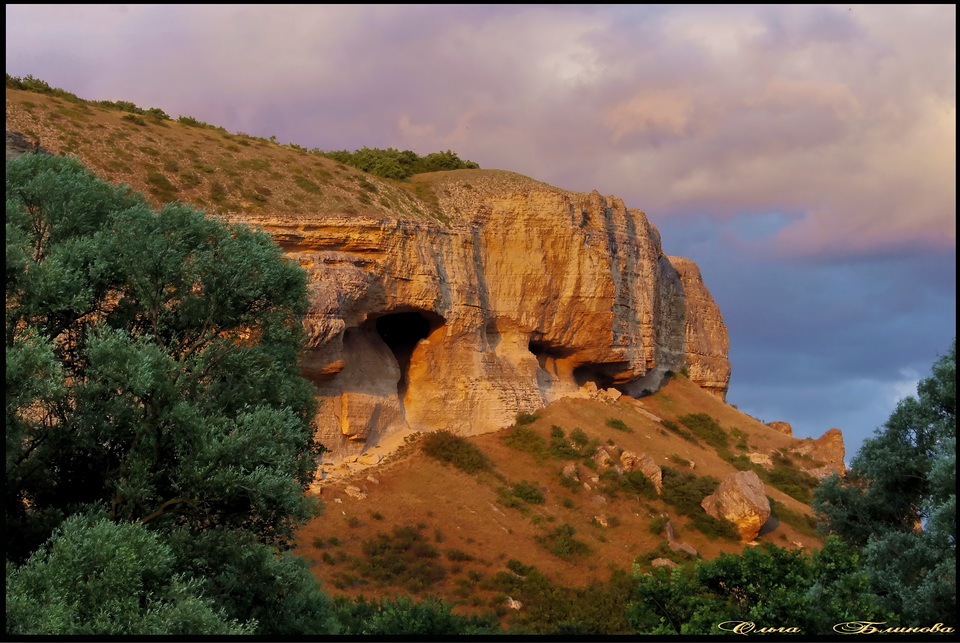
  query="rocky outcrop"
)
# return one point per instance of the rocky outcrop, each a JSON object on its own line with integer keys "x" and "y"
{"x": 740, "y": 498}
{"x": 18, "y": 144}
{"x": 514, "y": 294}
{"x": 521, "y": 296}
{"x": 707, "y": 344}
{"x": 782, "y": 427}
{"x": 827, "y": 450}
{"x": 646, "y": 465}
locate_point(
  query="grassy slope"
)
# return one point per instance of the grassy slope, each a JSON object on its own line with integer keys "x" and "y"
{"x": 213, "y": 169}
{"x": 414, "y": 489}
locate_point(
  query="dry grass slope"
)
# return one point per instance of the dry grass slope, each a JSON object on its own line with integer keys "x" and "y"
{"x": 477, "y": 524}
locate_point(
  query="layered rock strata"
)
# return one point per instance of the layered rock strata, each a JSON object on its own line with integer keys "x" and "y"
{"x": 516, "y": 295}
{"x": 707, "y": 344}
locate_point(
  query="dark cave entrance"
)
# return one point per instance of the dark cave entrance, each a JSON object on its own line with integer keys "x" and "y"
{"x": 401, "y": 332}
{"x": 604, "y": 375}
{"x": 544, "y": 351}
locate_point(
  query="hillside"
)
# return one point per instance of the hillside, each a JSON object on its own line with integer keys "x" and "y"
{"x": 476, "y": 529}
{"x": 457, "y": 301}
{"x": 201, "y": 164}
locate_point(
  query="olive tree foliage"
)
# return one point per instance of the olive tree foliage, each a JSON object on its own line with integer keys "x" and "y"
{"x": 152, "y": 375}
{"x": 769, "y": 586}
{"x": 898, "y": 501}
{"x": 98, "y": 577}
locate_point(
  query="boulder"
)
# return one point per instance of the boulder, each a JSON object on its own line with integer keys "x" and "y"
{"x": 662, "y": 562}
{"x": 828, "y": 449}
{"x": 602, "y": 458}
{"x": 687, "y": 549}
{"x": 369, "y": 458}
{"x": 646, "y": 465}
{"x": 782, "y": 427}
{"x": 741, "y": 499}
{"x": 668, "y": 531}
{"x": 355, "y": 492}
{"x": 763, "y": 459}
{"x": 570, "y": 471}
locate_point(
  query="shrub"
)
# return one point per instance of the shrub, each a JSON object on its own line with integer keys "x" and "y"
{"x": 804, "y": 523}
{"x": 578, "y": 437}
{"x": 524, "y": 419}
{"x": 447, "y": 447}
{"x": 676, "y": 459}
{"x": 637, "y": 483}
{"x": 561, "y": 449}
{"x": 306, "y": 184}
{"x": 525, "y": 439}
{"x": 519, "y": 568}
{"x": 190, "y": 121}
{"x": 561, "y": 543}
{"x": 619, "y": 425}
{"x": 793, "y": 482}
{"x": 403, "y": 558}
{"x": 657, "y": 524}
{"x": 686, "y": 491}
{"x": 133, "y": 118}
{"x": 683, "y": 433}
{"x": 158, "y": 113}
{"x": 705, "y": 427}
{"x": 458, "y": 555}
{"x": 528, "y": 493}
{"x": 395, "y": 164}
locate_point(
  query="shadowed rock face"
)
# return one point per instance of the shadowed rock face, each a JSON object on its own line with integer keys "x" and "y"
{"x": 707, "y": 344}
{"x": 525, "y": 294}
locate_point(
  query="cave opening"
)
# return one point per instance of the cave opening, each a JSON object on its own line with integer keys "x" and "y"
{"x": 401, "y": 332}
{"x": 547, "y": 353}
{"x": 603, "y": 375}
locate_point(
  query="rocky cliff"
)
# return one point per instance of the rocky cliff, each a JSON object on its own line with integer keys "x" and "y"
{"x": 707, "y": 345}
{"x": 479, "y": 295}
{"x": 517, "y": 294}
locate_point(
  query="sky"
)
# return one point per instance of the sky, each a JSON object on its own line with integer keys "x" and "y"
{"x": 803, "y": 155}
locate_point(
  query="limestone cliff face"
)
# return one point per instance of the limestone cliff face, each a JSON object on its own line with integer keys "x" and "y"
{"x": 517, "y": 295}
{"x": 493, "y": 294}
{"x": 708, "y": 347}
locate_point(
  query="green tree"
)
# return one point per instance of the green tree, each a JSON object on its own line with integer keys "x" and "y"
{"x": 152, "y": 371}
{"x": 769, "y": 586}
{"x": 898, "y": 502}
{"x": 402, "y": 616}
{"x": 97, "y": 577}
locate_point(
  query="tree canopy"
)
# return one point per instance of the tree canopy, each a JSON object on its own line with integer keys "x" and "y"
{"x": 391, "y": 163}
{"x": 898, "y": 501}
{"x": 769, "y": 586}
{"x": 153, "y": 382}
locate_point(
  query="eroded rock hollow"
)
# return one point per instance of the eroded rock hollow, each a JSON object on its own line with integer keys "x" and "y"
{"x": 515, "y": 294}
